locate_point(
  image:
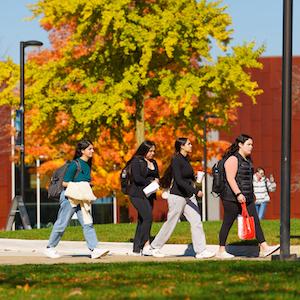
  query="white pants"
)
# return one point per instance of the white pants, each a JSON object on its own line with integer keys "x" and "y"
{"x": 189, "y": 208}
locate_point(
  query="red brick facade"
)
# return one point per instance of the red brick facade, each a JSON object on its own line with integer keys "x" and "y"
{"x": 5, "y": 164}
{"x": 263, "y": 122}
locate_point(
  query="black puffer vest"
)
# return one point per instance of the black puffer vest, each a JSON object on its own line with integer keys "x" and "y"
{"x": 244, "y": 179}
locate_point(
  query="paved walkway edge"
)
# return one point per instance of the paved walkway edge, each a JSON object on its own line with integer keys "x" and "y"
{"x": 17, "y": 247}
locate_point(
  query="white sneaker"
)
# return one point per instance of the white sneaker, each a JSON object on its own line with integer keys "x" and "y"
{"x": 157, "y": 253}
{"x": 205, "y": 254}
{"x": 224, "y": 255}
{"x": 132, "y": 253}
{"x": 96, "y": 253}
{"x": 270, "y": 250}
{"x": 147, "y": 250}
{"x": 51, "y": 253}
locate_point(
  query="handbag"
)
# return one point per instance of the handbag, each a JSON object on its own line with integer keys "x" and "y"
{"x": 246, "y": 225}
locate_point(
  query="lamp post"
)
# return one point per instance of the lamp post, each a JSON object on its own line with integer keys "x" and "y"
{"x": 23, "y": 45}
{"x": 114, "y": 203}
{"x": 38, "y": 194}
{"x": 286, "y": 133}
{"x": 286, "y": 130}
{"x": 204, "y": 203}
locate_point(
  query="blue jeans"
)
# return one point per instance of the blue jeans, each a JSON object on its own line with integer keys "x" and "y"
{"x": 65, "y": 213}
{"x": 261, "y": 209}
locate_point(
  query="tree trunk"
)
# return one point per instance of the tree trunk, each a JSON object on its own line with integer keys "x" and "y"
{"x": 139, "y": 120}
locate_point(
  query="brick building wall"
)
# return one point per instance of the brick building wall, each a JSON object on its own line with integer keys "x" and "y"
{"x": 5, "y": 164}
{"x": 262, "y": 121}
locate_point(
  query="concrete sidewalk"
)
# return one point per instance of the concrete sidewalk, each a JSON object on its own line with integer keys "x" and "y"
{"x": 15, "y": 251}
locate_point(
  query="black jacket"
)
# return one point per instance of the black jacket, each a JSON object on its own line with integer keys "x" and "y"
{"x": 244, "y": 180}
{"x": 183, "y": 177}
{"x": 141, "y": 176}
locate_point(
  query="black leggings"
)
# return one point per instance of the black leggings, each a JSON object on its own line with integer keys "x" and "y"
{"x": 231, "y": 211}
{"x": 144, "y": 223}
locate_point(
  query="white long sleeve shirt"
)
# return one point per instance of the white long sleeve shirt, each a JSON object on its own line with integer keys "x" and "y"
{"x": 262, "y": 188}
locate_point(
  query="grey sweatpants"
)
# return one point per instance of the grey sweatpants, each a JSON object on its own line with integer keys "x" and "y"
{"x": 189, "y": 207}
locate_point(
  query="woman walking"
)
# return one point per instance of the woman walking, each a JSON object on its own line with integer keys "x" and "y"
{"x": 83, "y": 154}
{"x": 262, "y": 186}
{"x": 182, "y": 200}
{"x": 239, "y": 189}
{"x": 144, "y": 170}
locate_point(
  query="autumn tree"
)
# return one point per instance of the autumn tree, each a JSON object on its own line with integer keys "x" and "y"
{"x": 114, "y": 54}
{"x": 119, "y": 66}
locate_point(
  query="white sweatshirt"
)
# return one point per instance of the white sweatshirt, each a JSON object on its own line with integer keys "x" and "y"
{"x": 262, "y": 188}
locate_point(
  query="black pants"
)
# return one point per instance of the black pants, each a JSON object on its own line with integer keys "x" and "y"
{"x": 142, "y": 233}
{"x": 231, "y": 211}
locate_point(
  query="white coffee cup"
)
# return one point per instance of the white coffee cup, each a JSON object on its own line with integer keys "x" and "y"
{"x": 200, "y": 175}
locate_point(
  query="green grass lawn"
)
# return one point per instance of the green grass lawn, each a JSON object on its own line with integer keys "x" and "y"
{"x": 153, "y": 280}
{"x": 124, "y": 232}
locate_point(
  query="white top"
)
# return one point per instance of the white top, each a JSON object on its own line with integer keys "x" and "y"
{"x": 262, "y": 188}
{"x": 151, "y": 188}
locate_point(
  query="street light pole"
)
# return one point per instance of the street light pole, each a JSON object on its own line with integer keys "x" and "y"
{"x": 286, "y": 132}
{"x": 114, "y": 202}
{"x": 115, "y": 208}
{"x": 38, "y": 194}
{"x": 22, "y": 123}
{"x": 23, "y": 45}
{"x": 205, "y": 202}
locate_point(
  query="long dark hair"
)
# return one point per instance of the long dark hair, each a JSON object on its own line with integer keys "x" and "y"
{"x": 234, "y": 148}
{"x": 166, "y": 180}
{"x": 142, "y": 150}
{"x": 82, "y": 145}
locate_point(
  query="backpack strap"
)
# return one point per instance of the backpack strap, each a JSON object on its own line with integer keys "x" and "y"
{"x": 78, "y": 168}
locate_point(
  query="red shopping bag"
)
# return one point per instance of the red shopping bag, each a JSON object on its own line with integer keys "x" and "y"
{"x": 246, "y": 225}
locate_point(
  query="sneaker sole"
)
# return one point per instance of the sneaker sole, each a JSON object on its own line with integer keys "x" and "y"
{"x": 222, "y": 257}
{"x": 206, "y": 257}
{"x": 271, "y": 251}
{"x": 51, "y": 257}
{"x": 133, "y": 254}
{"x": 103, "y": 254}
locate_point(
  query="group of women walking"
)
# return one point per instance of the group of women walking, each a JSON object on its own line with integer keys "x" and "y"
{"x": 179, "y": 179}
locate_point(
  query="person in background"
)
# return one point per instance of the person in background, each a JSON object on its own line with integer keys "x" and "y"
{"x": 83, "y": 154}
{"x": 262, "y": 186}
{"x": 239, "y": 189}
{"x": 144, "y": 170}
{"x": 181, "y": 200}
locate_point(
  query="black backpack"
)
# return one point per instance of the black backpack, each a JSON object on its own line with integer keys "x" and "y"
{"x": 219, "y": 177}
{"x": 125, "y": 178}
{"x": 55, "y": 187}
